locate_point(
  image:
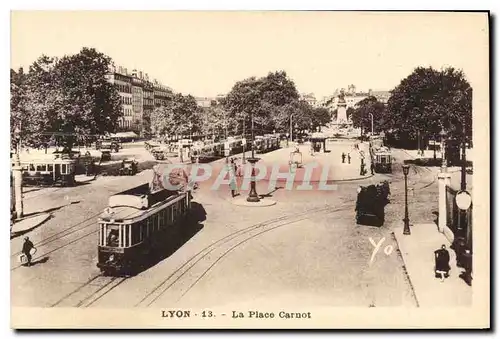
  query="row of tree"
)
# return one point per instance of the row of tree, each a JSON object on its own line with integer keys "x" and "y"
{"x": 72, "y": 100}
{"x": 67, "y": 99}
{"x": 425, "y": 103}
{"x": 273, "y": 102}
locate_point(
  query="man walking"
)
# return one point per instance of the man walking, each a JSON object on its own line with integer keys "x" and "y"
{"x": 348, "y": 158}
{"x": 27, "y": 247}
{"x": 343, "y": 157}
{"x": 372, "y": 168}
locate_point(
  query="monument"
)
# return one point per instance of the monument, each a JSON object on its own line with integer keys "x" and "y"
{"x": 341, "y": 109}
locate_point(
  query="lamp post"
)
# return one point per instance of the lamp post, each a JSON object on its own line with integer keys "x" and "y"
{"x": 406, "y": 220}
{"x": 252, "y": 195}
{"x": 244, "y": 136}
{"x": 442, "y": 134}
{"x": 18, "y": 176}
{"x": 371, "y": 116}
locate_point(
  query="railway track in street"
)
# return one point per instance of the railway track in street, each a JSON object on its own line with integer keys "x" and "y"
{"x": 184, "y": 278}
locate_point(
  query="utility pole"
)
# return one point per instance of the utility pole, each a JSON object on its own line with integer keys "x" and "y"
{"x": 18, "y": 176}
{"x": 291, "y": 127}
{"x": 244, "y": 136}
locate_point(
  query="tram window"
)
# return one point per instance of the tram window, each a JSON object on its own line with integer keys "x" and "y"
{"x": 155, "y": 222}
{"x": 143, "y": 229}
{"x": 50, "y": 167}
{"x": 64, "y": 169}
{"x": 136, "y": 233}
{"x": 32, "y": 167}
{"x": 160, "y": 219}
{"x": 167, "y": 216}
{"x": 112, "y": 236}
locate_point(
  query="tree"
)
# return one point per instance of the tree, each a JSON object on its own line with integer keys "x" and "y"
{"x": 320, "y": 116}
{"x": 429, "y": 100}
{"x": 361, "y": 114}
{"x": 270, "y": 99}
{"x": 88, "y": 104}
{"x": 179, "y": 116}
{"x": 70, "y": 98}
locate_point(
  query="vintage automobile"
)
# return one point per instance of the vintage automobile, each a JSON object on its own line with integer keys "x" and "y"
{"x": 105, "y": 155}
{"x": 108, "y": 144}
{"x": 129, "y": 167}
{"x": 370, "y": 204}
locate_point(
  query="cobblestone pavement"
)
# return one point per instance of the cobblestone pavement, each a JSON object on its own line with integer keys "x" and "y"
{"x": 322, "y": 258}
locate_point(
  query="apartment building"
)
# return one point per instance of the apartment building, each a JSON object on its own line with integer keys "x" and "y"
{"x": 138, "y": 96}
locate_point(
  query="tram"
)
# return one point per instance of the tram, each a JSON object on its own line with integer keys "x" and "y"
{"x": 51, "y": 172}
{"x": 267, "y": 143}
{"x": 382, "y": 161}
{"x": 133, "y": 226}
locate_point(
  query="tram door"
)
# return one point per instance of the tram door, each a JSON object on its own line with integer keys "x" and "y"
{"x": 57, "y": 172}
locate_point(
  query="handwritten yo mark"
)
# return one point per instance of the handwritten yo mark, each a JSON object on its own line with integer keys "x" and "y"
{"x": 387, "y": 249}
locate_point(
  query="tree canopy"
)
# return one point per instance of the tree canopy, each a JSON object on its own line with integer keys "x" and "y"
{"x": 179, "y": 116}
{"x": 361, "y": 115}
{"x": 68, "y": 97}
{"x": 429, "y": 100}
{"x": 274, "y": 102}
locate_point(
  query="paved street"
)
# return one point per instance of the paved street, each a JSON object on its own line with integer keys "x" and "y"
{"x": 307, "y": 246}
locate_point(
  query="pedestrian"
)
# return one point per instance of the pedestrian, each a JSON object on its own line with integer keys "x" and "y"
{"x": 232, "y": 177}
{"x": 348, "y": 158}
{"x": 442, "y": 262}
{"x": 27, "y": 247}
{"x": 343, "y": 157}
{"x": 372, "y": 168}
{"x": 362, "y": 169}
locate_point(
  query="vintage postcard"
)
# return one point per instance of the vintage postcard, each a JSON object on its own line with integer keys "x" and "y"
{"x": 226, "y": 170}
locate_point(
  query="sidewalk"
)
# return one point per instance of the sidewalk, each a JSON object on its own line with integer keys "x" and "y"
{"x": 417, "y": 251}
{"x": 28, "y": 223}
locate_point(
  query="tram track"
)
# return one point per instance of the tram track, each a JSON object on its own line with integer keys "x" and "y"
{"x": 58, "y": 236}
{"x": 89, "y": 292}
{"x": 227, "y": 243}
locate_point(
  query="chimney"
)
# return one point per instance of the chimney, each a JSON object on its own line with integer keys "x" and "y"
{"x": 147, "y": 77}
{"x": 134, "y": 73}
{"x": 370, "y": 92}
{"x": 125, "y": 71}
{"x": 140, "y": 75}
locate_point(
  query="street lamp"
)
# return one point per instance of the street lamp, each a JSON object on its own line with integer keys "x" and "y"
{"x": 406, "y": 230}
{"x": 442, "y": 134}
{"x": 252, "y": 195}
{"x": 371, "y": 116}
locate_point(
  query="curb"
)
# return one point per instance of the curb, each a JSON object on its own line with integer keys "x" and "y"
{"x": 40, "y": 219}
{"x": 393, "y": 233}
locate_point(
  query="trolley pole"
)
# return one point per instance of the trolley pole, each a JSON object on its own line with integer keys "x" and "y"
{"x": 18, "y": 179}
{"x": 244, "y": 136}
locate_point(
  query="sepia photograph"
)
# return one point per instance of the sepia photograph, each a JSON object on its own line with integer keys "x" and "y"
{"x": 249, "y": 169}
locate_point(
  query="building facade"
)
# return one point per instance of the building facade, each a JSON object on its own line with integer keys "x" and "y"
{"x": 353, "y": 97}
{"x": 138, "y": 96}
{"x": 123, "y": 82}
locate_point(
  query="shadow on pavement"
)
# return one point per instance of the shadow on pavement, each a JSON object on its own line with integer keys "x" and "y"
{"x": 40, "y": 261}
{"x": 50, "y": 210}
{"x": 177, "y": 236}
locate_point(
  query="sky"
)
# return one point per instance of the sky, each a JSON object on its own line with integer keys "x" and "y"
{"x": 205, "y": 53}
